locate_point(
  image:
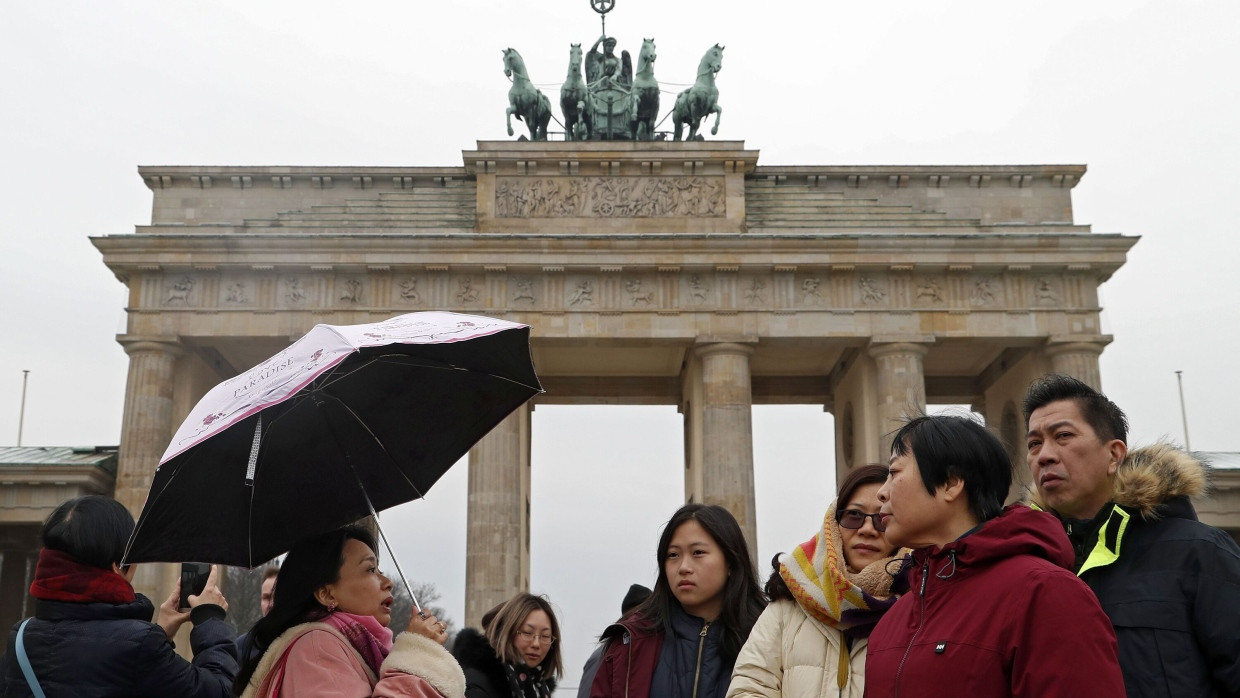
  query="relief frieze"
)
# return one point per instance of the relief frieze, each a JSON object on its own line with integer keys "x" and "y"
{"x": 609, "y": 197}
{"x": 179, "y": 291}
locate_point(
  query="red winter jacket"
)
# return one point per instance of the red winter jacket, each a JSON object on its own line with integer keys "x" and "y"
{"x": 628, "y": 662}
{"x": 996, "y": 613}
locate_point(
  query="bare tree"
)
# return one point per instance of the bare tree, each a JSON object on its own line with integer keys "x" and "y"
{"x": 244, "y": 589}
{"x": 402, "y": 609}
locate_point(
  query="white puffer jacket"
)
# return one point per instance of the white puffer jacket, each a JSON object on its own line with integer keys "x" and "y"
{"x": 791, "y": 655}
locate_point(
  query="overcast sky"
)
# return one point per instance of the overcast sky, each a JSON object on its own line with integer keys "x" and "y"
{"x": 1144, "y": 93}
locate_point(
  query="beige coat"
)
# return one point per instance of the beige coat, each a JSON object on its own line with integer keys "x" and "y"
{"x": 791, "y": 655}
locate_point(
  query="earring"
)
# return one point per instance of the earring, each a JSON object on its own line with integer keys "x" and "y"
{"x": 331, "y": 608}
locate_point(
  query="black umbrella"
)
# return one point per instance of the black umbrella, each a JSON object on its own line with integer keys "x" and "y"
{"x": 346, "y": 421}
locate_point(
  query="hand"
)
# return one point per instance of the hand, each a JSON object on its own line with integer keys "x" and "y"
{"x": 170, "y": 617}
{"x": 210, "y": 593}
{"x": 427, "y": 625}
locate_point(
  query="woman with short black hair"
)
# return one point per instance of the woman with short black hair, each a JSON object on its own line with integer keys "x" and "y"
{"x": 994, "y": 609}
{"x": 91, "y": 634}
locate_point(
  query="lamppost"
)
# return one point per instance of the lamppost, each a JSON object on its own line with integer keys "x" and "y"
{"x": 21, "y": 417}
{"x": 1179, "y": 379}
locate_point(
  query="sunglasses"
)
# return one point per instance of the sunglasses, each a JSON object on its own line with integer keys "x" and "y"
{"x": 851, "y": 518}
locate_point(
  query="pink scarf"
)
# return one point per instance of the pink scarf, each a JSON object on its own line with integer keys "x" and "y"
{"x": 367, "y": 635}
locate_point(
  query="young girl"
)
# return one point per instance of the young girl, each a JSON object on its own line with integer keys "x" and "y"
{"x": 682, "y": 641}
{"x": 807, "y": 640}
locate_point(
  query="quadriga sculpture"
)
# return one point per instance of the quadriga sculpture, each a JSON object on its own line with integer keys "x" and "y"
{"x": 573, "y": 97}
{"x": 645, "y": 93}
{"x": 695, "y": 103}
{"x": 526, "y": 101}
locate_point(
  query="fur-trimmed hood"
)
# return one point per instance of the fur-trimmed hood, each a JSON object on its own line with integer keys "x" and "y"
{"x": 1150, "y": 476}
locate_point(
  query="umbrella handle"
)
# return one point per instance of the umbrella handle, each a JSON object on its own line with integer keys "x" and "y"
{"x": 417, "y": 606}
{"x": 319, "y": 402}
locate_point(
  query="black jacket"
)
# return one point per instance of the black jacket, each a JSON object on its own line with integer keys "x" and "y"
{"x": 89, "y": 650}
{"x": 1169, "y": 584}
{"x": 484, "y": 673}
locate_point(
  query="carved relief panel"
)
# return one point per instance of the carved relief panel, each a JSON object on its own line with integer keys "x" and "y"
{"x": 609, "y": 197}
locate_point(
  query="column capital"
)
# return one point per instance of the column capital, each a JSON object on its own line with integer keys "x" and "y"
{"x": 880, "y": 349}
{"x": 708, "y": 345}
{"x": 137, "y": 344}
{"x": 1077, "y": 344}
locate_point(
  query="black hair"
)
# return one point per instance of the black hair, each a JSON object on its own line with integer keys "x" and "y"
{"x": 869, "y": 474}
{"x": 742, "y": 597}
{"x": 311, "y": 564}
{"x": 949, "y": 446}
{"x": 92, "y": 529}
{"x": 1103, "y": 416}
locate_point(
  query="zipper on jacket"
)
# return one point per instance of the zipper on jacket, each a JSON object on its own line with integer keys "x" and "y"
{"x": 921, "y": 621}
{"x": 697, "y": 671}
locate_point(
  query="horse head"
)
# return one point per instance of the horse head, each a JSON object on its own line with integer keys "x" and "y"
{"x": 712, "y": 61}
{"x": 513, "y": 63}
{"x": 647, "y": 54}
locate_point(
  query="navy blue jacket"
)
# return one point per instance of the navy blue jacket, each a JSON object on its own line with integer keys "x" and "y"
{"x": 91, "y": 650}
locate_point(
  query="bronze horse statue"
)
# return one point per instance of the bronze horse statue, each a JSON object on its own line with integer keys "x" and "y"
{"x": 645, "y": 93}
{"x": 573, "y": 97}
{"x": 695, "y": 103}
{"x": 526, "y": 101}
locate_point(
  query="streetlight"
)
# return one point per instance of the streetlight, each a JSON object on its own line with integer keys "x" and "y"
{"x": 1179, "y": 379}
{"x": 21, "y": 418}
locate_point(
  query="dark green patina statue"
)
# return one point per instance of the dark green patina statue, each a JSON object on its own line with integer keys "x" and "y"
{"x": 526, "y": 101}
{"x": 612, "y": 102}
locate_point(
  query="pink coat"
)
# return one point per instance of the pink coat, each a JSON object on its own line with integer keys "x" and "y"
{"x": 315, "y": 661}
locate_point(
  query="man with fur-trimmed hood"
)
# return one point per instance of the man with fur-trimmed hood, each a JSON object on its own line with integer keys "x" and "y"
{"x": 1169, "y": 583}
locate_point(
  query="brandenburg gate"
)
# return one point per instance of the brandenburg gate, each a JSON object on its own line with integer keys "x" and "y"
{"x": 651, "y": 272}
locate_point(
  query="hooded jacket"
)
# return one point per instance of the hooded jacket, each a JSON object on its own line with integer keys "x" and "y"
{"x": 108, "y": 649}
{"x": 1169, "y": 583}
{"x": 994, "y": 613}
{"x": 484, "y": 672}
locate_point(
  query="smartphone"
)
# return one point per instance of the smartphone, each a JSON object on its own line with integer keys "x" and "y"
{"x": 193, "y": 580}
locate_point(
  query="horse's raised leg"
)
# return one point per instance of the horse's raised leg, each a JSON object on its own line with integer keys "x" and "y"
{"x": 510, "y": 113}
{"x": 718, "y": 113}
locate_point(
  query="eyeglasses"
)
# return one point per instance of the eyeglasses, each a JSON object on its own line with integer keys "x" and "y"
{"x": 530, "y": 637}
{"x": 851, "y": 518}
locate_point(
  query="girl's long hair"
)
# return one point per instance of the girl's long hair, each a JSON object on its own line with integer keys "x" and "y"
{"x": 742, "y": 597}
{"x": 309, "y": 566}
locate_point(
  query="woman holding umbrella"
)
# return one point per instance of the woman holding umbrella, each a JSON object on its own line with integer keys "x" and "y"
{"x": 826, "y": 597}
{"x": 682, "y": 641}
{"x": 327, "y": 634}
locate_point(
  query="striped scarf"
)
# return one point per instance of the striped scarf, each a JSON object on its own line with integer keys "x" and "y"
{"x": 816, "y": 575}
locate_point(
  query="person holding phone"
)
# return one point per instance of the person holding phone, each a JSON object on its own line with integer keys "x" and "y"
{"x": 91, "y": 634}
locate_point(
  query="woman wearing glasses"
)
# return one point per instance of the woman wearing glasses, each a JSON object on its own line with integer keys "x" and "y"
{"x": 519, "y": 654}
{"x": 809, "y": 642}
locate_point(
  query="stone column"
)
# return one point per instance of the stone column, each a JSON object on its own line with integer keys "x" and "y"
{"x": 497, "y": 533}
{"x": 727, "y": 433}
{"x": 146, "y": 429}
{"x": 1078, "y": 359}
{"x": 901, "y": 384}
